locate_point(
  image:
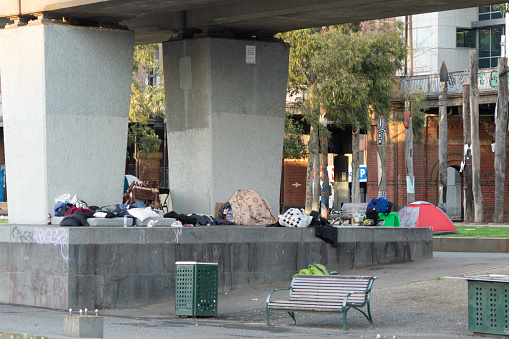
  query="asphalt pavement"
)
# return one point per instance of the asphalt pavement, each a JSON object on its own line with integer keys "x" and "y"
{"x": 408, "y": 300}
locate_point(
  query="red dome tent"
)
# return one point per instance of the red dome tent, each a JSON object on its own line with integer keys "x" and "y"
{"x": 425, "y": 214}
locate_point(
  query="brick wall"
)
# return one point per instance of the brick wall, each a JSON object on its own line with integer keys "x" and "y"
{"x": 426, "y": 164}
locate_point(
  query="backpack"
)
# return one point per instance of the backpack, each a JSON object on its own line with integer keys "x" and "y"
{"x": 315, "y": 269}
{"x": 372, "y": 215}
{"x": 382, "y": 205}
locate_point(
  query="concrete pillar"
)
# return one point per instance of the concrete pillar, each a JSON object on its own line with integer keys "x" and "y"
{"x": 225, "y": 104}
{"x": 65, "y": 102}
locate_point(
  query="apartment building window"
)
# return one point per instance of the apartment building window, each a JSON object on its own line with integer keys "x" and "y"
{"x": 489, "y": 46}
{"x": 465, "y": 37}
{"x": 488, "y": 13}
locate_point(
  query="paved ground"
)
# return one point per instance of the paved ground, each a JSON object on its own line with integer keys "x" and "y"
{"x": 410, "y": 300}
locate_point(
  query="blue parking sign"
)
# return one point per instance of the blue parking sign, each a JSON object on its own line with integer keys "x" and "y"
{"x": 363, "y": 173}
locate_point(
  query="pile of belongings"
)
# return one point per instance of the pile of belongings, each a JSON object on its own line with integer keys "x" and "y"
{"x": 250, "y": 208}
{"x": 144, "y": 190}
{"x": 193, "y": 219}
{"x": 76, "y": 212}
{"x": 295, "y": 217}
{"x": 374, "y": 208}
{"x": 315, "y": 269}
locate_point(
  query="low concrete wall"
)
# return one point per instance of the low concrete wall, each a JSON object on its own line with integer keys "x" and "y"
{"x": 487, "y": 245}
{"x": 93, "y": 267}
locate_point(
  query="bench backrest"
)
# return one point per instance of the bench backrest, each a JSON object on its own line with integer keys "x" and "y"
{"x": 331, "y": 288}
{"x": 350, "y": 208}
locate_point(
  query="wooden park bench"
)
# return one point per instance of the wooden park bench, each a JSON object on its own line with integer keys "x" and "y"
{"x": 325, "y": 293}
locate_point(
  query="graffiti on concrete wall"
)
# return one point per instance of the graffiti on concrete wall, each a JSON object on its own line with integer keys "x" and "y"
{"x": 38, "y": 276}
{"x": 42, "y": 284}
{"x": 55, "y": 236}
{"x": 23, "y": 236}
{"x": 488, "y": 79}
{"x": 113, "y": 265}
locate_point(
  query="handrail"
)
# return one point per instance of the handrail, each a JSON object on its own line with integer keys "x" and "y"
{"x": 487, "y": 82}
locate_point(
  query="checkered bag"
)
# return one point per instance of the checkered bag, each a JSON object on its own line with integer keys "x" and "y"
{"x": 294, "y": 218}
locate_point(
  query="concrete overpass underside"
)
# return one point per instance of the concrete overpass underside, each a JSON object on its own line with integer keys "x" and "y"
{"x": 161, "y": 20}
{"x": 66, "y": 68}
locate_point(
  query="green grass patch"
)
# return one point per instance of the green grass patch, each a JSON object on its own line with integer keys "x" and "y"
{"x": 479, "y": 232}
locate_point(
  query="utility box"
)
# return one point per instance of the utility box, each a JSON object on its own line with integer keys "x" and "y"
{"x": 488, "y": 303}
{"x": 196, "y": 288}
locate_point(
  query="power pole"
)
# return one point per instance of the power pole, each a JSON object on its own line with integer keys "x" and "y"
{"x": 442, "y": 139}
{"x": 468, "y": 198}
{"x": 476, "y": 148}
{"x": 409, "y": 150}
{"x": 501, "y": 140}
{"x": 380, "y": 142}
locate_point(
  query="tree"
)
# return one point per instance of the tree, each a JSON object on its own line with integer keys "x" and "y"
{"x": 504, "y": 8}
{"x": 147, "y": 99}
{"x": 345, "y": 74}
{"x": 293, "y": 145}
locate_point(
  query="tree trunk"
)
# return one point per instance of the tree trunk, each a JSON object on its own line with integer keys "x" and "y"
{"x": 309, "y": 175}
{"x": 324, "y": 151}
{"x": 468, "y": 198}
{"x": 476, "y": 148}
{"x": 316, "y": 167}
{"x": 409, "y": 156}
{"x": 442, "y": 140}
{"x": 382, "y": 178}
{"x": 501, "y": 140}
{"x": 356, "y": 195}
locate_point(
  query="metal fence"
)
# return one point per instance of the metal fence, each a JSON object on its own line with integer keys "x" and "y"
{"x": 487, "y": 80}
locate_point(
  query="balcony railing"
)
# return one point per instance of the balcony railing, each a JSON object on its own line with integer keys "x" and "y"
{"x": 487, "y": 81}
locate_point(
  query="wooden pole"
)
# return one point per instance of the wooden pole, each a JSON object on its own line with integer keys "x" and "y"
{"x": 316, "y": 168}
{"x": 476, "y": 147}
{"x": 309, "y": 174}
{"x": 382, "y": 179}
{"x": 468, "y": 198}
{"x": 356, "y": 196}
{"x": 410, "y": 46}
{"x": 442, "y": 139}
{"x": 409, "y": 156}
{"x": 501, "y": 140}
{"x": 324, "y": 152}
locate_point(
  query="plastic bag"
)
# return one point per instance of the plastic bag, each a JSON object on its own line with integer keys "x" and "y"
{"x": 294, "y": 218}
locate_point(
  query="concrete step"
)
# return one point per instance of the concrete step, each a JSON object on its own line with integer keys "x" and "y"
{"x": 487, "y": 245}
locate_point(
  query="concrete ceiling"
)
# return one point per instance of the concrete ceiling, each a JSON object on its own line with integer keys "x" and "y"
{"x": 160, "y": 20}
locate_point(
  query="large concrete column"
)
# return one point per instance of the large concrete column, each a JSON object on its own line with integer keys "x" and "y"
{"x": 225, "y": 119}
{"x": 66, "y": 101}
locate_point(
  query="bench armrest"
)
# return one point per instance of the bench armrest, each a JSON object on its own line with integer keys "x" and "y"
{"x": 349, "y": 294}
{"x": 277, "y": 289}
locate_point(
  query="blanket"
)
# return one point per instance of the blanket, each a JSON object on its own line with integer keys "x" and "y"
{"x": 250, "y": 208}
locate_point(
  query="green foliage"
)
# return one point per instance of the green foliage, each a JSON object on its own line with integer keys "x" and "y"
{"x": 419, "y": 106}
{"x": 143, "y": 137}
{"x": 293, "y": 145}
{"x": 345, "y": 75}
{"x": 504, "y": 8}
{"x": 146, "y": 101}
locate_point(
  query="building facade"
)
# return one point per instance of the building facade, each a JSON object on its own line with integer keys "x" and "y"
{"x": 445, "y": 37}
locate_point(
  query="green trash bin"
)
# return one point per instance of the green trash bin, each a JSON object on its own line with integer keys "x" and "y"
{"x": 196, "y": 288}
{"x": 391, "y": 220}
{"x": 488, "y": 303}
